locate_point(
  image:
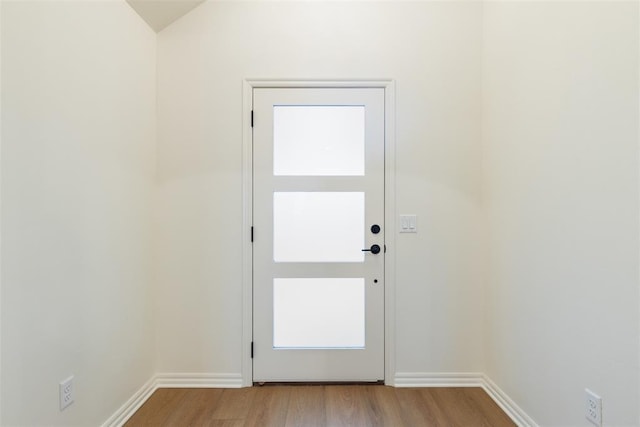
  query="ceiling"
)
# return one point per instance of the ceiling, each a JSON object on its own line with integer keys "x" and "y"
{"x": 160, "y": 13}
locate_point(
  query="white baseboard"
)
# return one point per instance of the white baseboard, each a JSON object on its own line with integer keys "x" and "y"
{"x": 169, "y": 380}
{"x": 470, "y": 379}
{"x": 446, "y": 379}
{"x": 128, "y": 409}
{"x": 508, "y": 406}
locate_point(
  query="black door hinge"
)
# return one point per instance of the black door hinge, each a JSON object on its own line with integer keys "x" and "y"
{"x": 252, "y": 349}
{"x": 251, "y": 118}
{"x": 252, "y": 233}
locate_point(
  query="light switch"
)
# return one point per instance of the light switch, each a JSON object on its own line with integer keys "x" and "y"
{"x": 408, "y": 224}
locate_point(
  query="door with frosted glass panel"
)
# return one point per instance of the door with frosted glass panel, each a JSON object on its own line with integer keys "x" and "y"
{"x": 318, "y": 284}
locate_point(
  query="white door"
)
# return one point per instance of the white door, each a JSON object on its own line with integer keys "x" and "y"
{"x": 318, "y": 284}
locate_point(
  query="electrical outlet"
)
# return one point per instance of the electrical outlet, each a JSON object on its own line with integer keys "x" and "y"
{"x": 66, "y": 392}
{"x": 593, "y": 409}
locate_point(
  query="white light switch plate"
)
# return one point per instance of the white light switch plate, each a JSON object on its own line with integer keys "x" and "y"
{"x": 408, "y": 224}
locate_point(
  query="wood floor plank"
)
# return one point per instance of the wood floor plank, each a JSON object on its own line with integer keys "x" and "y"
{"x": 383, "y": 408}
{"x": 224, "y": 423}
{"x": 306, "y": 407}
{"x": 418, "y": 410}
{"x": 195, "y": 408}
{"x": 234, "y": 403}
{"x": 489, "y": 409}
{"x": 457, "y": 407}
{"x": 158, "y": 408}
{"x": 320, "y": 406}
{"x": 269, "y": 408}
{"x": 345, "y": 406}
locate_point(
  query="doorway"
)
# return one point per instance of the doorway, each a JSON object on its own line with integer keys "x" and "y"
{"x": 321, "y": 311}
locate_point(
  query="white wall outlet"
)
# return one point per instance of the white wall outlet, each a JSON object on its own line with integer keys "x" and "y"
{"x": 408, "y": 223}
{"x": 66, "y": 392}
{"x": 593, "y": 409}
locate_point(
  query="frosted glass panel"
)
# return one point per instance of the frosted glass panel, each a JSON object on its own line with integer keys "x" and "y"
{"x": 318, "y": 140}
{"x": 318, "y": 313}
{"x": 318, "y": 227}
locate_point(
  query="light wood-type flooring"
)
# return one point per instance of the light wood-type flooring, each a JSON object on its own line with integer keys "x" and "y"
{"x": 320, "y": 405}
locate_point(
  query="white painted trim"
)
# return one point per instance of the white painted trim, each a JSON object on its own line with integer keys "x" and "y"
{"x": 1, "y": 375}
{"x": 314, "y": 83}
{"x": 247, "y": 209}
{"x": 189, "y": 380}
{"x": 444, "y": 379}
{"x": 132, "y": 405}
{"x": 467, "y": 379}
{"x": 247, "y": 223}
{"x": 638, "y": 136}
{"x": 508, "y": 406}
{"x": 390, "y": 216}
{"x": 170, "y": 380}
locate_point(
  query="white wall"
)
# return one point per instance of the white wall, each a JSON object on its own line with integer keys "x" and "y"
{"x": 560, "y": 110}
{"x": 1, "y": 377}
{"x": 432, "y": 50}
{"x": 78, "y": 136}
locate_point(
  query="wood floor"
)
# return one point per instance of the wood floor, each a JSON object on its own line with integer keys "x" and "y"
{"x": 321, "y": 405}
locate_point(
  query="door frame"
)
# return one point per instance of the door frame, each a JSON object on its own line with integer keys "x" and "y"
{"x": 389, "y": 211}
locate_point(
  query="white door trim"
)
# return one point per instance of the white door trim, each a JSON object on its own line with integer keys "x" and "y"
{"x": 247, "y": 211}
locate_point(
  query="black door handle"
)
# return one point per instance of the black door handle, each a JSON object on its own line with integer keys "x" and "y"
{"x": 375, "y": 249}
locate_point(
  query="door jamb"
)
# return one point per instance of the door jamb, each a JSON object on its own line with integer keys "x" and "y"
{"x": 389, "y": 210}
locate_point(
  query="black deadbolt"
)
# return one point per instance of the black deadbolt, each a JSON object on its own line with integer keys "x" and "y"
{"x": 375, "y": 228}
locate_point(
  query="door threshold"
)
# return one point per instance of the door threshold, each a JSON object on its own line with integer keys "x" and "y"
{"x": 315, "y": 383}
